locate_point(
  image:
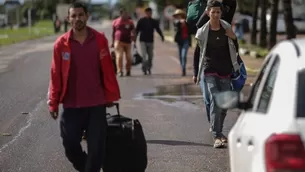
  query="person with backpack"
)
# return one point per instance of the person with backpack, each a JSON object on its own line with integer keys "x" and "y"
{"x": 218, "y": 58}
{"x": 197, "y": 13}
{"x": 182, "y": 37}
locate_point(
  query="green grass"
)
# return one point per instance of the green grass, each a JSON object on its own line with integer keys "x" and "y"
{"x": 40, "y": 29}
{"x": 262, "y": 52}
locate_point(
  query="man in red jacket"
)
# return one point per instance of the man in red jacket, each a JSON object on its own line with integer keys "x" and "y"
{"x": 84, "y": 81}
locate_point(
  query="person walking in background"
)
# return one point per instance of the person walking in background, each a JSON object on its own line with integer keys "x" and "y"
{"x": 182, "y": 37}
{"x": 228, "y": 8}
{"x": 146, "y": 27}
{"x": 57, "y": 24}
{"x": 123, "y": 34}
{"x": 83, "y": 80}
{"x": 218, "y": 58}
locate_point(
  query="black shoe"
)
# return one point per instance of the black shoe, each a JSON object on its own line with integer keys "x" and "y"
{"x": 183, "y": 72}
{"x": 144, "y": 72}
{"x": 128, "y": 73}
{"x": 149, "y": 72}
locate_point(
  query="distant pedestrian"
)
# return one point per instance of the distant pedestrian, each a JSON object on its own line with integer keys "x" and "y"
{"x": 123, "y": 34}
{"x": 57, "y": 24}
{"x": 182, "y": 37}
{"x": 218, "y": 59}
{"x": 84, "y": 81}
{"x": 146, "y": 27}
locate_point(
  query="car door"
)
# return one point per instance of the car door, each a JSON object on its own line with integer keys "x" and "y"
{"x": 242, "y": 137}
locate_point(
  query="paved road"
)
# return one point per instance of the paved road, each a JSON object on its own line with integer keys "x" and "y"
{"x": 175, "y": 126}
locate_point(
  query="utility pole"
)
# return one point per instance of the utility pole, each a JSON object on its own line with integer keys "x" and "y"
{"x": 110, "y": 9}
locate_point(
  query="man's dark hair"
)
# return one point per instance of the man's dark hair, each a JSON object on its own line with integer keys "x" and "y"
{"x": 148, "y": 9}
{"x": 78, "y": 5}
{"x": 214, "y": 3}
{"x": 122, "y": 10}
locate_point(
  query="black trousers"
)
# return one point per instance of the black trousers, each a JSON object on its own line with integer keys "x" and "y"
{"x": 72, "y": 124}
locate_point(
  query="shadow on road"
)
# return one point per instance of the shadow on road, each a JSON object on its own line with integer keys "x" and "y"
{"x": 161, "y": 76}
{"x": 176, "y": 143}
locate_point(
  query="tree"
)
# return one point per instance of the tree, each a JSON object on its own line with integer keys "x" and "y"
{"x": 273, "y": 25}
{"x": 254, "y": 22}
{"x": 263, "y": 28}
{"x": 290, "y": 28}
{"x": 172, "y": 2}
{"x": 245, "y": 6}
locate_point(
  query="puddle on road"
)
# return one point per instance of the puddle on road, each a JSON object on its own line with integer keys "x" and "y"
{"x": 174, "y": 93}
{"x": 190, "y": 93}
{"x": 183, "y": 96}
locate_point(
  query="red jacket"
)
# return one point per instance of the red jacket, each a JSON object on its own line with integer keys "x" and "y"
{"x": 61, "y": 65}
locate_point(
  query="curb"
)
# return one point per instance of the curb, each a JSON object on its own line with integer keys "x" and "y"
{"x": 250, "y": 70}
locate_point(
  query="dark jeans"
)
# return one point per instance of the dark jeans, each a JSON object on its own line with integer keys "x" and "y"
{"x": 72, "y": 124}
{"x": 183, "y": 49}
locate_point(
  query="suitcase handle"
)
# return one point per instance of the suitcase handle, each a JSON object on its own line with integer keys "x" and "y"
{"x": 117, "y": 105}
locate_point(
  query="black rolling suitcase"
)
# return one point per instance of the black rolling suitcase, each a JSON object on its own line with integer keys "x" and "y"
{"x": 126, "y": 148}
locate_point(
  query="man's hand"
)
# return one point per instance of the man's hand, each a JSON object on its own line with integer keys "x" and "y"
{"x": 108, "y": 105}
{"x": 195, "y": 79}
{"x": 54, "y": 115}
{"x": 230, "y": 33}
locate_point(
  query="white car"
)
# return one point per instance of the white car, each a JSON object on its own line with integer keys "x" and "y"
{"x": 269, "y": 135}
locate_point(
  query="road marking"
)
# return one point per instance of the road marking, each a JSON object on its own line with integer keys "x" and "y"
{"x": 175, "y": 59}
{"x": 28, "y": 124}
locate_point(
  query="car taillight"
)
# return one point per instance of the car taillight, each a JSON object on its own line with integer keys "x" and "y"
{"x": 285, "y": 152}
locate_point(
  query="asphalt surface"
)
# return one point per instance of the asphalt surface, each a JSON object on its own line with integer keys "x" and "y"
{"x": 175, "y": 126}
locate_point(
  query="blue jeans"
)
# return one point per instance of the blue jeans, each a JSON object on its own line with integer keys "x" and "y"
{"x": 217, "y": 115}
{"x": 183, "y": 49}
{"x": 205, "y": 95}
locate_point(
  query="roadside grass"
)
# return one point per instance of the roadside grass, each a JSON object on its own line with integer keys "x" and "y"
{"x": 261, "y": 52}
{"x": 41, "y": 29}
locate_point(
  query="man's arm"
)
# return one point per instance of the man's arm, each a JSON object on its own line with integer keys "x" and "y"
{"x": 196, "y": 61}
{"x": 113, "y": 32}
{"x": 111, "y": 86}
{"x": 203, "y": 19}
{"x": 230, "y": 11}
{"x": 133, "y": 32}
{"x": 157, "y": 27}
{"x": 230, "y": 33}
{"x": 138, "y": 28}
{"x": 55, "y": 80}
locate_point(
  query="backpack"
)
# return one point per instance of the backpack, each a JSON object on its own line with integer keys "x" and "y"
{"x": 195, "y": 9}
{"x": 239, "y": 78}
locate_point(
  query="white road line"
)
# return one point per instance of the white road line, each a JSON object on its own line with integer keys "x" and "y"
{"x": 175, "y": 59}
{"x": 28, "y": 124}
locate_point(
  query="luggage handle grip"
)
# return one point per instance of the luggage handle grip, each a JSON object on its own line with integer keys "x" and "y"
{"x": 117, "y": 105}
{"x": 117, "y": 108}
